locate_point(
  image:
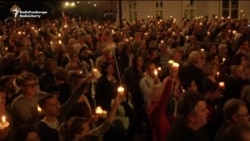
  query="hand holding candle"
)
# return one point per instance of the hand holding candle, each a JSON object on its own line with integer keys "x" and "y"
{"x": 4, "y": 123}
{"x": 120, "y": 90}
{"x": 156, "y": 73}
{"x": 100, "y": 112}
{"x": 175, "y": 66}
{"x": 222, "y": 85}
{"x": 96, "y": 73}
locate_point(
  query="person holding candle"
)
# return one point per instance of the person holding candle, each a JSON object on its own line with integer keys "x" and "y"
{"x": 151, "y": 78}
{"x": 193, "y": 70}
{"x": 24, "y": 106}
{"x": 123, "y": 125}
{"x": 213, "y": 92}
{"x": 132, "y": 79}
{"x": 234, "y": 83}
{"x": 160, "y": 96}
{"x": 54, "y": 113}
{"x": 105, "y": 86}
{"x": 6, "y": 118}
{"x": 77, "y": 128}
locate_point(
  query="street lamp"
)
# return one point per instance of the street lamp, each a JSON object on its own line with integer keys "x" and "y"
{"x": 73, "y": 4}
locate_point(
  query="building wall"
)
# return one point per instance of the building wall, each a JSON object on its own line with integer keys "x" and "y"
{"x": 244, "y": 5}
{"x": 178, "y": 8}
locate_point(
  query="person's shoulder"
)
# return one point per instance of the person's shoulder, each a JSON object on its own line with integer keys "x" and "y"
{"x": 17, "y": 99}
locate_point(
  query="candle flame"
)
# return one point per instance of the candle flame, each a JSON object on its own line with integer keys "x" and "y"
{"x": 3, "y": 118}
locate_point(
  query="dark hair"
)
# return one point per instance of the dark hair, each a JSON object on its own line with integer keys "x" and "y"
{"x": 61, "y": 74}
{"x": 187, "y": 83}
{"x": 231, "y": 107}
{"x": 72, "y": 127}
{"x": 23, "y": 131}
{"x": 43, "y": 98}
{"x": 104, "y": 67}
{"x": 237, "y": 58}
{"x": 134, "y": 60}
{"x": 5, "y": 79}
{"x": 22, "y": 78}
{"x": 235, "y": 132}
{"x": 148, "y": 63}
{"x": 187, "y": 103}
{"x": 211, "y": 57}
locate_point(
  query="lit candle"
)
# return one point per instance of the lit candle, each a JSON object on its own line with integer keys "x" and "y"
{"x": 80, "y": 72}
{"x": 39, "y": 109}
{"x": 59, "y": 42}
{"x": 51, "y": 42}
{"x": 59, "y": 35}
{"x": 126, "y": 40}
{"x": 222, "y": 18}
{"x": 175, "y": 65}
{"x": 145, "y": 33}
{"x": 32, "y": 27}
{"x": 159, "y": 68}
{"x": 221, "y": 84}
{"x": 104, "y": 114}
{"x": 171, "y": 62}
{"x": 98, "y": 110}
{"x": 241, "y": 11}
{"x": 162, "y": 41}
{"x": 187, "y": 37}
{"x": 3, "y": 118}
{"x": 229, "y": 17}
{"x": 113, "y": 32}
{"x": 6, "y": 48}
{"x": 218, "y": 73}
{"x": 156, "y": 72}
{"x": 223, "y": 60}
{"x": 131, "y": 38}
{"x": 120, "y": 90}
{"x": 19, "y": 32}
{"x": 234, "y": 32}
{"x": 4, "y": 123}
{"x": 23, "y": 33}
{"x": 208, "y": 33}
{"x": 216, "y": 17}
{"x": 202, "y": 50}
{"x": 96, "y": 73}
{"x": 171, "y": 17}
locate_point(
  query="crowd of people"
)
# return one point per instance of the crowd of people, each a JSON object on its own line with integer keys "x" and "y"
{"x": 187, "y": 80}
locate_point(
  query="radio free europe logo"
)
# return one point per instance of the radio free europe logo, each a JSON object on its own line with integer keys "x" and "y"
{"x": 17, "y": 12}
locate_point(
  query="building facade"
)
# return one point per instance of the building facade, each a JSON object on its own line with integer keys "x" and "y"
{"x": 133, "y": 10}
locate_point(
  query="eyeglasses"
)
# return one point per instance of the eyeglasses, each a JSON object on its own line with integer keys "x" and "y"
{"x": 31, "y": 85}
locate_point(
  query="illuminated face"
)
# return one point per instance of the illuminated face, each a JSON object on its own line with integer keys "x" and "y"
{"x": 151, "y": 69}
{"x": 52, "y": 107}
{"x": 200, "y": 114}
{"x": 30, "y": 87}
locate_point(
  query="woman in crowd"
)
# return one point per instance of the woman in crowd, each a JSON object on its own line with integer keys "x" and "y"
{"x": 77, "y": 128}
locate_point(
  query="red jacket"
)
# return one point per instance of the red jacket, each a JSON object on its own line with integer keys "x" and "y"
{"x": 157, "y": 113}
